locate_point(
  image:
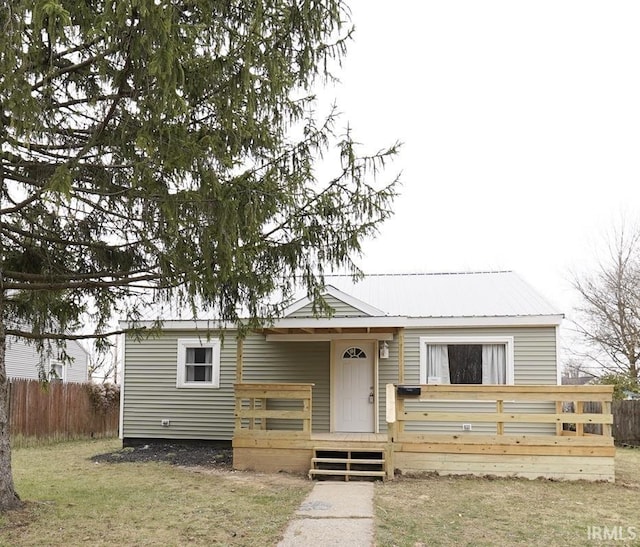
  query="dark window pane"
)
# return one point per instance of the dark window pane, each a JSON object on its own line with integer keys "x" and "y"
{"x": 199, "y": 373}
{"x": 201, "y": 355}
{"x": 465, "y": 364}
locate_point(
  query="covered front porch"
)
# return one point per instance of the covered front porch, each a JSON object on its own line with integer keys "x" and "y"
{"x": 273, "y": 432}
{"x": 342, "y": 364}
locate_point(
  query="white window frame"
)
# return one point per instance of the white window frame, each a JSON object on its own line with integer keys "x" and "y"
{"x": 186, "y": 343}
{"x": 57, "y": 362}
{"x": 468, "y": 340}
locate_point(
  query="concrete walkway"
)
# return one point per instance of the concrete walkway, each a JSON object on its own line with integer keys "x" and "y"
{"x": 334, "y": 513}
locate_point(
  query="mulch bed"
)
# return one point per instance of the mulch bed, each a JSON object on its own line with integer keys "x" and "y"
{"x": 176, "y": 454}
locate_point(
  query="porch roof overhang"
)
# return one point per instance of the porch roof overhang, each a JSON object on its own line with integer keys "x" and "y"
{"x": 360, "y": 324}
{"x": 383, "y": 328}
{"x": 292, "y": 329}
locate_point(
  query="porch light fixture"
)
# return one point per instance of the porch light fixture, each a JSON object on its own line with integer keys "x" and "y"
{"x": 384, "y": 350}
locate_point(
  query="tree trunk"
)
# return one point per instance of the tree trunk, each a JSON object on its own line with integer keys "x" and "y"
{"x": 8, "y": 497}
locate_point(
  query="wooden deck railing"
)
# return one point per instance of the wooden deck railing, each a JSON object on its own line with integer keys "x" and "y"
{"x": 398, "y": 416}
{"x": 271, "y": 409}
{"x": 520, "y": 430}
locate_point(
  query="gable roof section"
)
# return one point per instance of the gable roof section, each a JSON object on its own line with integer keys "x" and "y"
{"x": 441, "y": 295}
{"x": 344, "y": 304}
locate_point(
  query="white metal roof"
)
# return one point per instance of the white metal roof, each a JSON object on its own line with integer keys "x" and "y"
{"x": 428, "y": 299}
{"x": 472, "y": 294}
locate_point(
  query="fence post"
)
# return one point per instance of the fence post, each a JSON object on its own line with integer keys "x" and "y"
{"x": 606, "y": 428}
{"x": 559, "y": 425}
{"x": 579, "y": 426}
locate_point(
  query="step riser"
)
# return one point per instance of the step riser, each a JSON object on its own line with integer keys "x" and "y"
{"x": 330, "y": 473}
{"x": 341, "y": 462}
{"x": 346, "y": 460}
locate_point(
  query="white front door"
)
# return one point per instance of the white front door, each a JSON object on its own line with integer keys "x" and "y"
{"x": 354, "y": 400}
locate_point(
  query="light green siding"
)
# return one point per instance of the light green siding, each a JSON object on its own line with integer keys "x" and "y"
{"x": 534, "y": 351}
{"x": 151, "y": 395}
{"x": 340, "y": 309}
{"x": 534, "y": 363}
{"x": 292, "y": 362}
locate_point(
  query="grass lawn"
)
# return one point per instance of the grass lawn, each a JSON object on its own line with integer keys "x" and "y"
{"x": 475, "y": 511}
{"x": 73, "y": 501}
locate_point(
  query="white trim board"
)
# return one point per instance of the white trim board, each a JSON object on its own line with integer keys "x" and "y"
{"x": 381, "y": 321}
{"x": 326, "y": 337}
{"x": 486, "y": 321}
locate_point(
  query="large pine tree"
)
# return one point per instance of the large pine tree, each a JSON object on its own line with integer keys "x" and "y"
{"x": 156, "y": 149}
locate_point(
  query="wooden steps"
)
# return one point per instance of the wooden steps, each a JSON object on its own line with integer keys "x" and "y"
{"x": 346, "y": 463}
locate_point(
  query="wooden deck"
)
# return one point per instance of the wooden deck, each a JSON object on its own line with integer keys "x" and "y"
{"x": 280, "y": 439}
{"x": 287, "y": 451}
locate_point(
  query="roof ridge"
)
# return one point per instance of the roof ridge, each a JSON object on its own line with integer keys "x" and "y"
{"x": 406, "y": 274}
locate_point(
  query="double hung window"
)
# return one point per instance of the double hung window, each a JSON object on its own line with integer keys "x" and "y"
{"x": 198, "y": 363}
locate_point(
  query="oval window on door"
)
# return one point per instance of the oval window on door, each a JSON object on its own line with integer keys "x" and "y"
{"x": 354, "y": 353}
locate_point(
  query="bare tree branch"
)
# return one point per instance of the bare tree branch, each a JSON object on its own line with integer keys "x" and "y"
{"x": 609, "y": 315}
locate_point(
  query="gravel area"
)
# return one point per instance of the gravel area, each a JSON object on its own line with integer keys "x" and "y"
{"x": 176, "y": 454}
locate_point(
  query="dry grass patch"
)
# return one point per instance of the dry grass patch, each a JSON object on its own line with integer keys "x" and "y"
{"x": 72, "y": 500}
{"x": 479, "y": 511}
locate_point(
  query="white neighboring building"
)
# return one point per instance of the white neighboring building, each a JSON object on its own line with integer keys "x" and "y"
{"x": 22, "y": 360}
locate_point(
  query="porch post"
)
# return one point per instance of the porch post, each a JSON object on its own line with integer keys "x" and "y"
{"x": 239, "y": 356}
{"x": 392, "y": 429}
{"x": 401, "y": 355}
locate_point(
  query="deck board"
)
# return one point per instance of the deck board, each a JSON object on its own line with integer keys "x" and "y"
{"x": 350, "y": 437}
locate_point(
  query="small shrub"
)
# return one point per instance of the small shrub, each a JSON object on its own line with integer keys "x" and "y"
{"x": 104, "y": 397}
{"x": 622, "y": 383}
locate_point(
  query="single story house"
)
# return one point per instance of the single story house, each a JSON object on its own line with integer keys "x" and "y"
{"x": 452, "y": 373}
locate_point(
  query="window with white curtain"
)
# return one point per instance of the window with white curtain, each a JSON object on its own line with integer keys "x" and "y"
{"x": 57, "y": 371}
{"x": 466, "y": 360}
{"x": 198, "y": 363}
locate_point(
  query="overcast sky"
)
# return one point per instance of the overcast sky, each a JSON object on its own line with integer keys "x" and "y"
{"x": 521, "y": 129}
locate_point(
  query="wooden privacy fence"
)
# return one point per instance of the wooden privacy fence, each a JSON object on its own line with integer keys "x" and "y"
{"x": 58, "y": 411}
{"x": 626, "y": 422}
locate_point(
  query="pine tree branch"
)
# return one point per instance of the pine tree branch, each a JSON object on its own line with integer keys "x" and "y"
{"x": 74, "y": 67}
{"x": 67, "y": 336}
